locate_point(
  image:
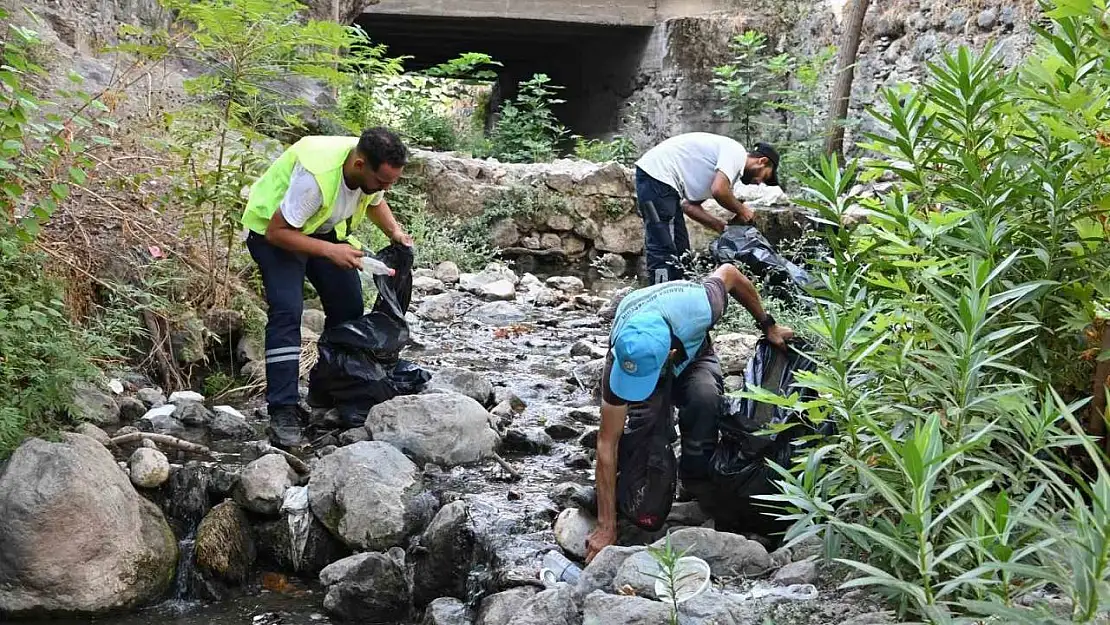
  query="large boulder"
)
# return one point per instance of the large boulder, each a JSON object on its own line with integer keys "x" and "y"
{"x": 366, "y": 495}
{"x": 604, "y": 609}
{"x": 498, "y": 609}
{"x": 368, "y": 588}
{"x": 464, "y": 382}
{"x": 572, "y": 528}
{"x": 439, "y": 307}
{"x": 93, "y": 405}
{"x": 304, "y": 553}
{"x": 75, "y": 537}
{"x": 224, "y": 549}
{"x": 734, "y": 350}
{"x": 445, "y": 555}
{"x": 555, "y": 606}
{"x": 624, "y": 236}
{"x": 263, "y": 482}
{"x": 602, "y": 570}
{"x": 445, "y": 428}
{"x": 728, "y": 555}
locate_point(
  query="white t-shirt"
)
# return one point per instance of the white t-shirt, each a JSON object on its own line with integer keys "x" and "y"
{"x": 689, "y": 162}
{"x": 302, "y": 200}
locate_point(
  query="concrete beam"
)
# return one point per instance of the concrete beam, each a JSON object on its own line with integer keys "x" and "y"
{"x": 607, "y": 12}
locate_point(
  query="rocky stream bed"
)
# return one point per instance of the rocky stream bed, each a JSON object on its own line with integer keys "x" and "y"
{"x": 420, "y": 525}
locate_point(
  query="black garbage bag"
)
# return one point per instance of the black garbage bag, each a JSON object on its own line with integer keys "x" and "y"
{"x": 359, "y": 362}
{"x": 739, "y": 464}
{"x": 747, "y": 245}
{"x": 648, "y": 472}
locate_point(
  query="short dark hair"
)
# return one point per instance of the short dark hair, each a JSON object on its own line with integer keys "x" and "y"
{"x": 381, "y": 145}
{"x": 768, "y": 151}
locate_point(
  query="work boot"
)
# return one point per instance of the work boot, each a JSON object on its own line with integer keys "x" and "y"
{"x": 286, "y": 427}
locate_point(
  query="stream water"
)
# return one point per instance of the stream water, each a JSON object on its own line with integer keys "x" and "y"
{"x": 530, "y": 358}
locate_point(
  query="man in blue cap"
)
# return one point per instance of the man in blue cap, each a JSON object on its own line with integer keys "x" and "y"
{"x": 667, "y": 325}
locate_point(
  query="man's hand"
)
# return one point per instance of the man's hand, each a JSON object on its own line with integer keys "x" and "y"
{"x": 778, "y": 336}
{"x": 402, "y": 237}
{"x": 599, "y": 539}
{"x": 344, "y": 256}
{"x": 745, "y": 216}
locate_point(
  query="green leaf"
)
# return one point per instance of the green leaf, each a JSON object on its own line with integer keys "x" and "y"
{"x": 77, "y": 175}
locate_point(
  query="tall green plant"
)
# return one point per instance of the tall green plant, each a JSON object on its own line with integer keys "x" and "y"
{"x": 527, "y": 130}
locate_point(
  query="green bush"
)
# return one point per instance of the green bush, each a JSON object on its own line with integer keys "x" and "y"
{"x": 619, "y": 149}
{"x": 527, "y": 130}
{"x": 948, "y": 332}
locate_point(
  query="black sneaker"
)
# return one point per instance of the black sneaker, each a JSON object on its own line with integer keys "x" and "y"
{"x": 286, "y": 427}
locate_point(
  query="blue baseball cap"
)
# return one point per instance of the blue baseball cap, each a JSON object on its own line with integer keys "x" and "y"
{"x": 640, "y": 350}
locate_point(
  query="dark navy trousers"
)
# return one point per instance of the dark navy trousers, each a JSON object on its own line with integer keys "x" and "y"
{"x": 665, "y": 235}
{"x": 283, "y": 275}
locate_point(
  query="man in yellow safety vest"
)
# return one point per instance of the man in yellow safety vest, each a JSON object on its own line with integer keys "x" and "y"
{"x": 301, "y": 214}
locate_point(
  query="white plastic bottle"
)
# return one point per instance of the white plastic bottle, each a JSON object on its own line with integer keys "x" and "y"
{"x": 557, "y": 568}
{"x": 374, "y": 267}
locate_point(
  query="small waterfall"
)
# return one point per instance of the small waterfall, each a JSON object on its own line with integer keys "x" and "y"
{"x": 181, "y": 598}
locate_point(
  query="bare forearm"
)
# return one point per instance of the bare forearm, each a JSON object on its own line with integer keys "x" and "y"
{"x": 702, "y": 216}
{"x": 733, "y": 205}
{"x": 742, "y": 290}
{"x": 297, "y": 242}
{"x": 606, "y": 486}
{"x": 383, "y": 218}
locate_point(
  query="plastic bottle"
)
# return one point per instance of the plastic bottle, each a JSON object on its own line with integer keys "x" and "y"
{"x": 557, "y": 568}
{"x": 375, "y": 267}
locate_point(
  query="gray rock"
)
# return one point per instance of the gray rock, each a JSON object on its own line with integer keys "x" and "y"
{"x": 278, "y": 550}
{"x": 353, "y": 435}
{"x": 639, "y": 572}
{"x": 428, "y": 285}
{"x": 588, "y": 374}
{"x": 250, "y": 349}
{"x": 603, "y": 609}
{"x": 160, "y": 421}
{"x": 567, "y": 284}
{"x": 75, "y": 536}
{"x": 498, "y": 290}
{"x": 93, "y": 405}
{"x": 872, "y": 618}
{"x": 804, "y": 572}
{"x": 562, "y": 430}
{"x": 190, "y": 412}
{"x": 714, "y": 606}
{"x": 589, "y": 439}
{"x": 734, "y": 350}
{"x": 313, "y": 320}
{"x": 728, "y": 555}
{"x": 178, "y": 397}
{"x": 448, "y": 429}
{"x": 439, "y": 307}
{"x": 366, "y": 495}
{"x": 95, "y": 433}
{"x": 611, "y": 264}
{"x": 224, "y": 550}
{"x": 781, "y": 557}
{"x": 445, "y": 556}
{"x": 447, "y": 272}
{"x": 687, "y": 513}
{"x": 474, "y": 385}
{"x": 1008, "y": 15}
{"x": 503, "y": 394}
{"x": 957, "y": 19}
{"x": 527, "y": 441}
{"x": 891, "y": 25}
{"x": 556, "y": 606}
{"x": 494, "y": 272}
{"x": 608, "y": 311}
{"x": 987, "y": 19}
{"x": 423, "y": 273}
{"x": 498, "y": 609}
{"x": 227, "y": 422}
{"x": 589, "y": 415}
{"x": 624, "y": 236}
{"x": 578, "y": 460}
{"x": 130, "y": 409}
{"x": 582, "y": 347}
{"x": 223, "y": 322}
{"x": 497, "y": 314}
{"x": 152, "y": 397}
{"x": 550, "y": 241}
{"x": 148, "y": 468}
{"x": 602, "y": 571}
{"x": 925, "y": 46}
{"x": 503, "y": 233}
{"x": 447, "y": 611}
{"x": 572, "y": 528}
{"x": 368, "y": 588}
{"x": 262, "y": 484}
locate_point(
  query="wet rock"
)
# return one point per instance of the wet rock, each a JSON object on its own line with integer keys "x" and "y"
{"x": 428, "y": 285}
{"x": 499, "y": 609}
{"x": 544, "y": 297}
{"x": 803, "y": 572}
{"x": 190, "y": 412}
{"x": 367, "y": 495}
{"x": 601, "y": 572}
{"x": 474, "y": 282}
{"x": 588, "y": 375}
{"x": 148, "y": 468}
{"x": 313, "y": 320}
{"x": 604, "y": 609}
{"x": 582, "y": 347}
{"x": 178, "y": 397}
{"x": 447, "y": 272}
{"x": 589, "y": 415}
{"x": 639, "y": 572}
{"x": 277, "y": 549}
{"x": 445, "y": 555}
{"x": 530, "y": 282}
{"x": 567, "y": 284}
{"x": 687, "y": 514}
{"x": 368, "y": 588}
{"x": 564, "y": 493}
{"x": 151, "y": 397}
{"x": 499, "y": 290}
{"x": 562, "y": 430}
{"x": 503, "y": 394}
{"x": 95, "y": 433}
{"x": 262, "y": 484}
{"x": 572, "y": 528}
{"x": 445, "y": 428}
{"x": 579, "y": 460}
{"x": 589, "y": 439}
{"x": 130, "y": 409}
{"x": 223, "y": 322}
{"x": 160, "y": 421}
{"x": 224, "y": 549}
{"x": 734, "y": 350}
{"x": 497, "y": 314}
{"x": 447, "y": 611}
{"x": 527, "y": 441}
{"x": 93, "y": 405}
{"x": 609, "y": 311}
{"x": 75, "y": 536}
{"x": 728, "y": 555}
{"x": 353, "y": 435}
{"x": 227, "y": 422}
{"x": 556, "y": 606}
{"x": 464, "y": 382}
{"x": 439, "y": 307}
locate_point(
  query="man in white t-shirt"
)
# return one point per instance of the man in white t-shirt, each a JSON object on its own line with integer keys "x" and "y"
{"x": 676, "y": 176}
{"x": 301, "y": 215}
